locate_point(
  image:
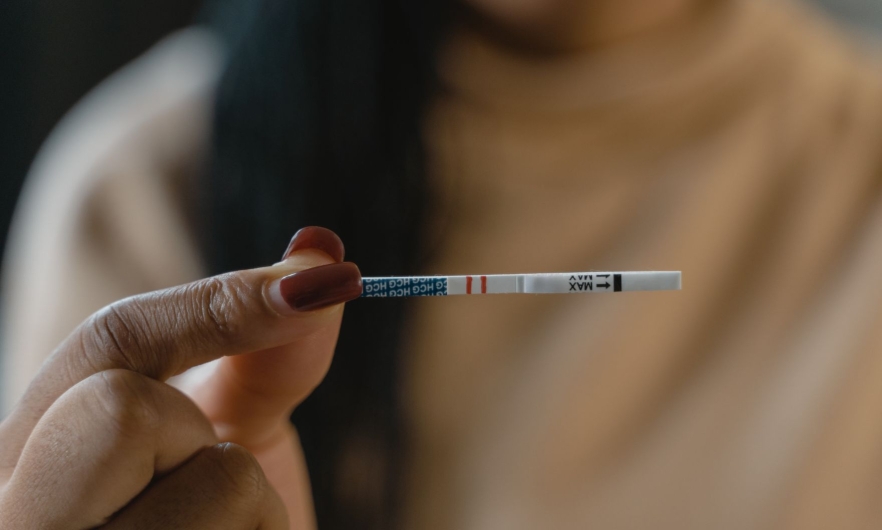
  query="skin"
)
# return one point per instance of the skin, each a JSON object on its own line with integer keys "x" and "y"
{"x": 100, "y": 439}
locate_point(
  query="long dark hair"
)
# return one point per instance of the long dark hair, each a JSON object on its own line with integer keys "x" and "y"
{"x": 317, "y": 122}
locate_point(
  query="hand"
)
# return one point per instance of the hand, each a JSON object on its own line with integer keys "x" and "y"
{"x": 99, "y": 439}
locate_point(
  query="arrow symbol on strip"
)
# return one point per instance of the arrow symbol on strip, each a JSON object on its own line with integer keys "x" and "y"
{"x": 604, "y": 285}
{"x": 603, "y": 275}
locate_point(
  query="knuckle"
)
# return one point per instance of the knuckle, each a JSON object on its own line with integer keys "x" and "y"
{"x": 121, "y": 340}
{"x": 124, "y": 399}
{"x": 238, "y": 471}
{"x": 221, "y": 304}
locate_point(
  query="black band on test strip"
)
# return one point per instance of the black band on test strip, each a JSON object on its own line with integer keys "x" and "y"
{"x": 617, "y": 282}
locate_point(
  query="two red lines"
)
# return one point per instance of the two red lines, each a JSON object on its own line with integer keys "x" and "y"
{"x": 469, "y": 285}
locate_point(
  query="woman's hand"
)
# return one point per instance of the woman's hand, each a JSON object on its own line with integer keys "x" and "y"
{"x": 99, "y": 438}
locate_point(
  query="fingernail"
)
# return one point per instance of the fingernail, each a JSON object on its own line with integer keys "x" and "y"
{"x": 316, "y": 288}
{"x": 318, "y": 238}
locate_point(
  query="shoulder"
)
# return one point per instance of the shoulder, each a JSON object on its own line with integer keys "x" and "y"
{"x": 105, "y": 209}
{"x": 155, "y": 108}
{"x": 146, "y": 125}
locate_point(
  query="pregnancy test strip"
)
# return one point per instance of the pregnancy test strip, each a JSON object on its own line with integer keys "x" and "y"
{"x": 542, "y": 283}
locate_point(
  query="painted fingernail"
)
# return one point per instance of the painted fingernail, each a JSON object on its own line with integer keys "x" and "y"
{"x": 318, "y": 238}
{"x": 316, "y": 288}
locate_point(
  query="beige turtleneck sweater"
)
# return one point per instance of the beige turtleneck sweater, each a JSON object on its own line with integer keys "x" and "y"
{"x": 743, "y": 148}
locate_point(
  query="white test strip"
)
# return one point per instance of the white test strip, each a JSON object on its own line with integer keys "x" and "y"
{"x": 542, "y": 283}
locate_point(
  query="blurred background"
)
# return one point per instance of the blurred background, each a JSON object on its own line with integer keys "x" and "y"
{"x": 53, "y": 51}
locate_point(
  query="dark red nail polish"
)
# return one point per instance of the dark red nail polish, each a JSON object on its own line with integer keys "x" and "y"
{"x": 321, "y": 286}
{"x": 318, "y": 238}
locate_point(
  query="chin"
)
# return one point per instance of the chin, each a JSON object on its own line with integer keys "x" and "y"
{"x": 521, "y": 13}
{"x": 539, "y": 24}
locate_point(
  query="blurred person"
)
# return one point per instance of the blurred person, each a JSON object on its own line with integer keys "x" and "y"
{"x": 54, "y": 53}
{"x": 737, "y": 141}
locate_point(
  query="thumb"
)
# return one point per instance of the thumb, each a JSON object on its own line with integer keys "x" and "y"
{"x": 249, "y": 397}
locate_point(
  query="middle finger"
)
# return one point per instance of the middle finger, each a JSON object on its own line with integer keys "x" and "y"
{"x": 98, "y": 447}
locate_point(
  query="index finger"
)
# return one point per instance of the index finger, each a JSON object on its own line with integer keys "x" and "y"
{"x": 164, "y": 333}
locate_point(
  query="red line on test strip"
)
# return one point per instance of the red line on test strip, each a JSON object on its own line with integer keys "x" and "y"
{"x": 483, "y": 285}
{"x": 468, "y": 285}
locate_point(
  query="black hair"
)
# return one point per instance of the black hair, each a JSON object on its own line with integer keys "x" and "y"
{"x": 317, "y": 122}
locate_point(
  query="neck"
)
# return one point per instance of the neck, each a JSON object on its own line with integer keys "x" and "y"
{"x": 535, "y": 28}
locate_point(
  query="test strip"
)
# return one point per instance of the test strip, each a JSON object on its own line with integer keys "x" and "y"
{"x": 542, "y": 283}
